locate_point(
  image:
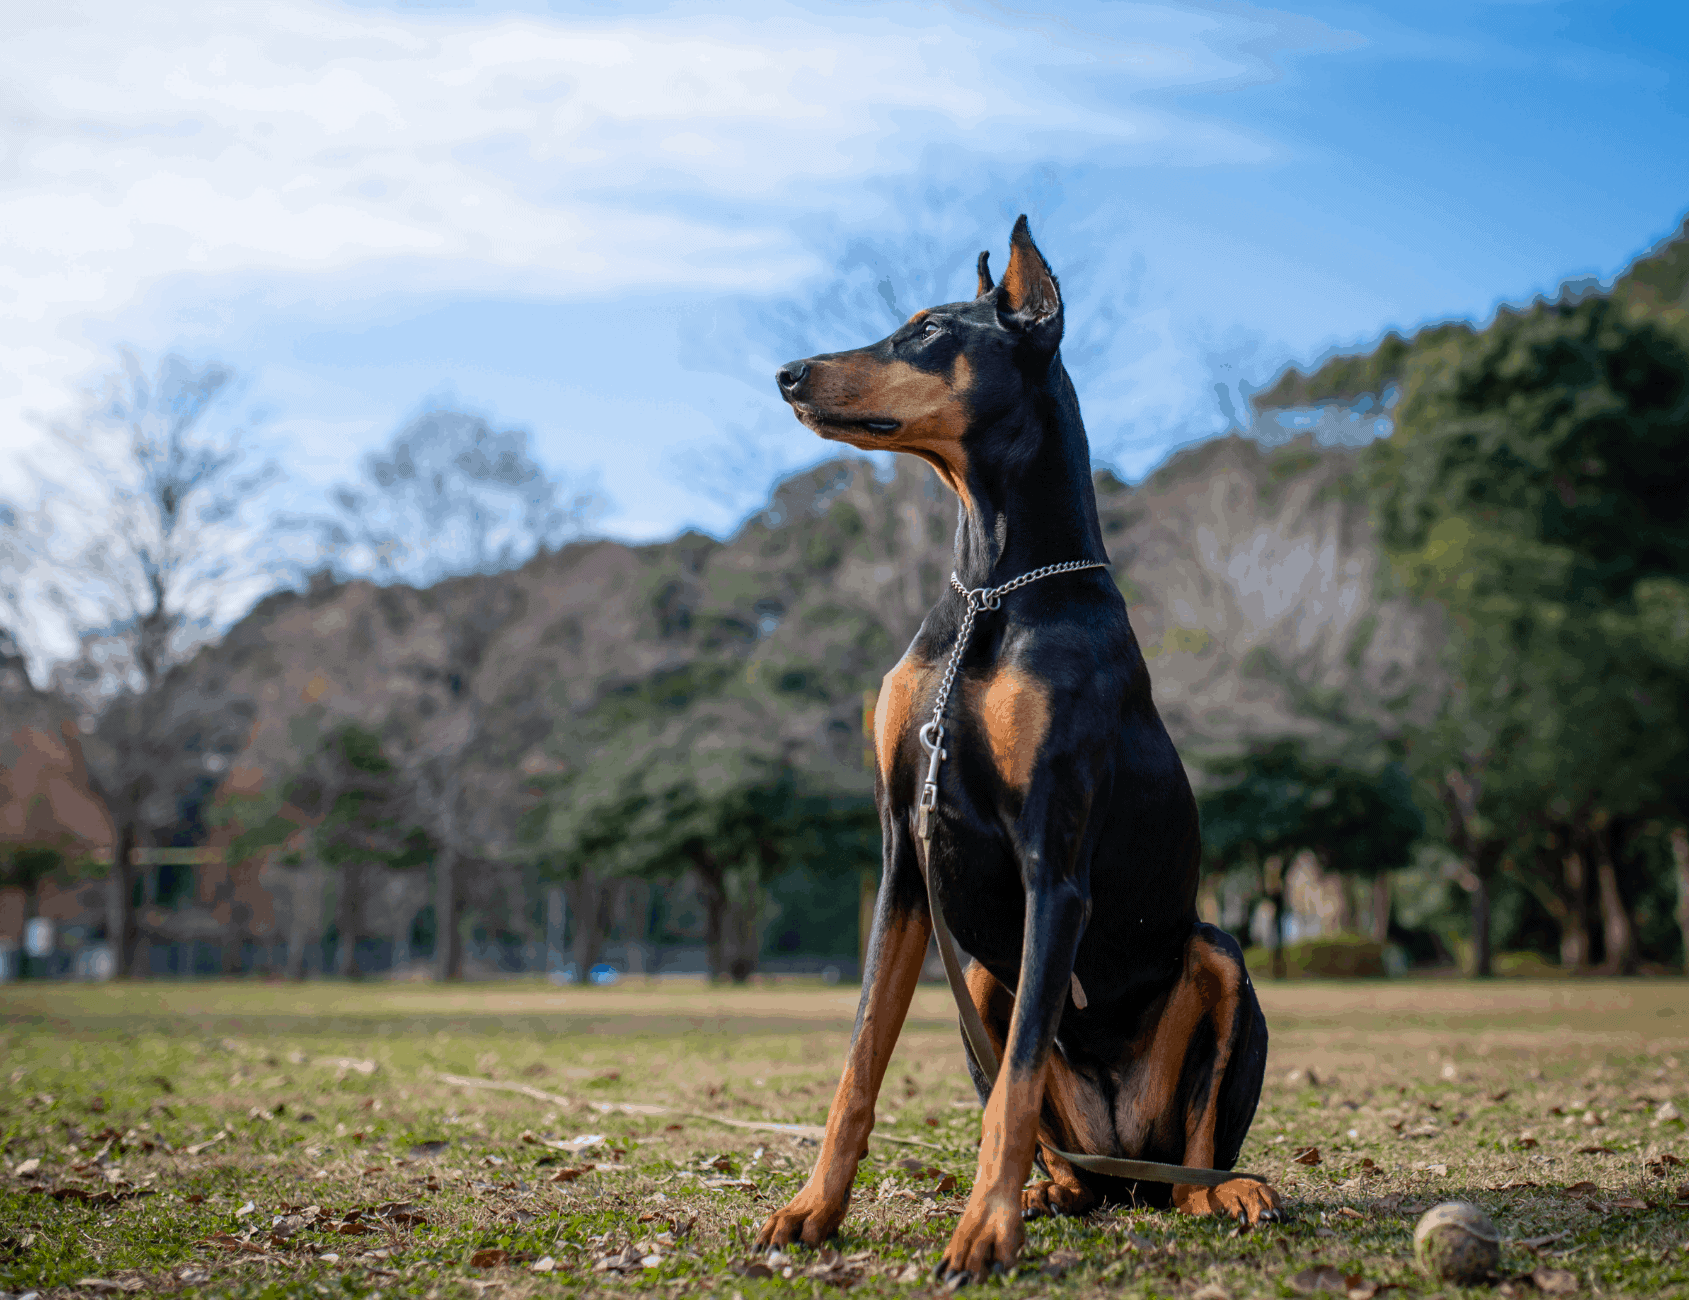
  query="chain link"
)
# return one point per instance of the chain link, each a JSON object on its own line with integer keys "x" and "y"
{"x": 932, "y": 734}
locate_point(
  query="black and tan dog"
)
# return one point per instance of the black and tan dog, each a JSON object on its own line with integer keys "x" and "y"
{"x": 1065, "y": 847}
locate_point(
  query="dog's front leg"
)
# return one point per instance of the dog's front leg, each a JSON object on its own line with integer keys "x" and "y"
{"x": 897, "y": 947}
{"x": 990, "y": 1233}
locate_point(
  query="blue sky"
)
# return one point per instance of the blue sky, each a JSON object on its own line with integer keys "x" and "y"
{"x": 609, "y": 223}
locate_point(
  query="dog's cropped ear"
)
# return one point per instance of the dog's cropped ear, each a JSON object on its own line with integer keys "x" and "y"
{"x": 985, "y": 282}
{"x": 1029, "y": 300}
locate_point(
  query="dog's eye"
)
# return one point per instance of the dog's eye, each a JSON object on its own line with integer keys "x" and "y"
{"x": 929, "y": 329}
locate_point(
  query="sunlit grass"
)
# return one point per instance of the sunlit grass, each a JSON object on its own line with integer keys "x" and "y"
{"x": 159, "y": 1112}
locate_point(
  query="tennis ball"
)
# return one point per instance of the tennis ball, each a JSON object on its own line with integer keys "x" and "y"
{"x": 1456, "y": 1242}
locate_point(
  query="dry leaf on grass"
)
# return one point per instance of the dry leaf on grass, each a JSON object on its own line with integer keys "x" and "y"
{"x": 569, "y": 1175}
{"x": 230, "y": 1242}
{"x": 1307, "y": 1156}
{"x": 87, "y": 1197}
{"x": 1597, "y": 1150}
{"x": 490, "y": 1258}
{"x": 1321, "y": 1277}
{"x": 1060, "y": 1263}
{"x": 1555, "y": 1281}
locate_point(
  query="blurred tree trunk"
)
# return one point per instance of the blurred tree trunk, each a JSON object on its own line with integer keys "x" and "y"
{"x": 401, "y": 945}
{"x": 140, "y": 958}
{"x": 742, "y": 937}
{"x": 448, "y": 892}
{"x": 121, "y": 930}
{"x": 636, "y": 916}
{"x": 1618, "y": 935}
{"x": 712, "y": 884}
{"x": 1480, "y": 856}
{"x": 1381, "y": 908}
{"x": 590, "y": 901}
{"x": 301, "y": 925}
{"x": 346, "y": 921}
{"x": 448, "y": 941}
{"x": 1483, "y": 959}
{"x": 1574, "y": 925}
{"x": 1272, "y": 886}
{"x": 232, "y": 950}
{"x": 1680, "y": 860}
{"x": 1555, "y": 879}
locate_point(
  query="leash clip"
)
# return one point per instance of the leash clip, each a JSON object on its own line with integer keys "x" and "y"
{"x": 932, "y": 736}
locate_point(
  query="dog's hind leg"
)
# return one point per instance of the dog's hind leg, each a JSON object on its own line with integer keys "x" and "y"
{"x": 1192, "y": 1093}
{"x": 1075, "y": 1118}
{"x": 1075, "y": 1115}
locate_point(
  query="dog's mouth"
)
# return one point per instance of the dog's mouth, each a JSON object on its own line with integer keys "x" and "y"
{"x": 829, "y": 426}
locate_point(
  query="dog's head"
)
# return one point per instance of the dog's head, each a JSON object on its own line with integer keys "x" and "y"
{"x": 948, "y": 373}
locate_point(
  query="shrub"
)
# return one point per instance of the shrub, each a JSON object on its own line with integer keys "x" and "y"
{"x": 1335, "y": 956}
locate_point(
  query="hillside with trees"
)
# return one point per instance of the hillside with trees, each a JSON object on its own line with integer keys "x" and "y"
{"x": 693, "y": 710}
{"x": 1534, "y": 488}
{"x": 1430, "y": 688}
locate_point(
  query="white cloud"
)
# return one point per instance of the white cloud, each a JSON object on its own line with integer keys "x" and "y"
{"x": 557, "y": 155}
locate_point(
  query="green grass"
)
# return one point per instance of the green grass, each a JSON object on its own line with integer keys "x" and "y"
{"x": 158, "y": 1113}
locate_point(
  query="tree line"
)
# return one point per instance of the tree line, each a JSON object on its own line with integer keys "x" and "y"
{"x": 1530, "y": 488}
{"x": 1533, "y": 486}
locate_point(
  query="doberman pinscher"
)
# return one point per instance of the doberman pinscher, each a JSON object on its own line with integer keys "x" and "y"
{"x": 1064, "y": 850}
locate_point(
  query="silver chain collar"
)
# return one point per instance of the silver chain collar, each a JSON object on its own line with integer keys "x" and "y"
{"x": 932, "y": 734}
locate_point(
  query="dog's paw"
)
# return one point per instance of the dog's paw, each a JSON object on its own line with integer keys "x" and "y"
{"x": 987, "y": 1240}
{"x": 1052, "y": 1198}
{"x": 1248, "y": 1200}
{"x": 808, "y": 1218}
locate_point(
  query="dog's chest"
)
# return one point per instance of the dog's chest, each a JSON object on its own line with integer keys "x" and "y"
{"x": 1003, "y": 710}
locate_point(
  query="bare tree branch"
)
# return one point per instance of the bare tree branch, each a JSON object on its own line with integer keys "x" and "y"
{"x": 450, "y": 495}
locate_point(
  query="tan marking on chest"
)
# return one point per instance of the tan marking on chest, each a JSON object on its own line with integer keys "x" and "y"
{"x": 898, "y": 691}
{"x": 1014, "y": 712}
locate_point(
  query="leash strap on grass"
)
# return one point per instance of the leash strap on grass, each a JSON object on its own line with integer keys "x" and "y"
{"x": 815, "y": 1131}
{"x": 973, "y": 1029}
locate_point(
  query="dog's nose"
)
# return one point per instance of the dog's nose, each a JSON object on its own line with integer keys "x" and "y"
{"x": 791, "y": 376}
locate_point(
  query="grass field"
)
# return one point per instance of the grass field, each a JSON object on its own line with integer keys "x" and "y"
{"x": 258, "y": 1140}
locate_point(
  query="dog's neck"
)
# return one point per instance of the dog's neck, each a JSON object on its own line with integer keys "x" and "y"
{"x": 1030, "y": 499}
